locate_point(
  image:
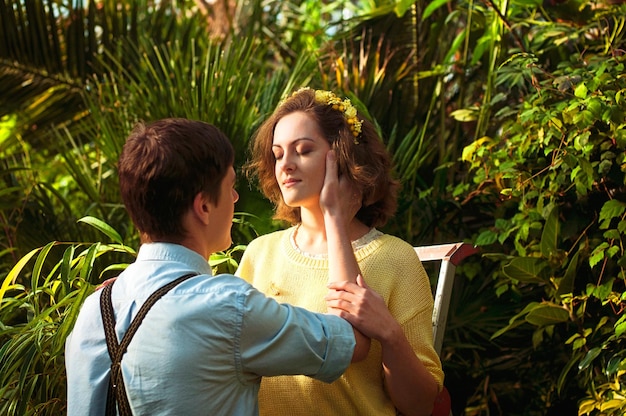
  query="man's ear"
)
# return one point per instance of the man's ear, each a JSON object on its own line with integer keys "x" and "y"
{"x": 202, "y": 208}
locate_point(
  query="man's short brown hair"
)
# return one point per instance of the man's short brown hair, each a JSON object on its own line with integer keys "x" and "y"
{"x": 163, "y": 166}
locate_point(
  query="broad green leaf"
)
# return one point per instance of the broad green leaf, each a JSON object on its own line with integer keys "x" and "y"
{"x": 456, "y": 44}
{"x": 620, "y": 329}
{"x": 597, "y": 255}
{"x": 566, "y": 284}
{"x": 604, "y": 290}
{"x": 611, "y": 209}
{"x": 617, "y": 363}
{"x": 218, "y": 258}
{"x": 66, "y": 266}
{"x": 525, "y": 269}
{"x": 402, "y": 6}
{"x": 595, "y": 107}
{"x": 41, "y": 258}
{"x": 485, "y": 238}
{"x": 103, "y": 227}
{"x": 76, "y": 300}
{"x": 545, "y": 314}
{"x": 537, "y": 337}
{"x": 432, "y": 6}
{"x": 118, "y": 266}
{"x": 465, "y": 114}
{"x": 90, "y": 258}
{"x": 550, "y": 233}
{"x": 483, "y": 45}
{"x": 591, "y": 355}
{"x": 9, "y": 280}
{"x": 581, "y": 90}
{"x": 469, "y": 150}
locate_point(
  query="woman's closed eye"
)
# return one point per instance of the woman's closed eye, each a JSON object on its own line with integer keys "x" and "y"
{"x": 278, "y": 154}
{"x": 299, "y": 151}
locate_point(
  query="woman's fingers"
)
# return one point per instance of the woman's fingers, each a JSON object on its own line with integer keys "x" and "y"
{"x": 329, "y": 195}
{"x": 361, "y": 306}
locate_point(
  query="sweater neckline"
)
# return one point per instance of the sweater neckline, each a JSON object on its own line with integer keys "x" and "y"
{"x": 357, "y": 244}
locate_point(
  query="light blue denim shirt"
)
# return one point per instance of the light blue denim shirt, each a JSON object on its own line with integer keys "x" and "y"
{"x": 203, "y": 347}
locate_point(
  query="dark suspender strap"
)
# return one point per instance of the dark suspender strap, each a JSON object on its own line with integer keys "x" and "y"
{"x": 116, "y": 391}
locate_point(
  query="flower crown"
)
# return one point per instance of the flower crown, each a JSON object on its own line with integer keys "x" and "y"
{"x": 345, "y": 106}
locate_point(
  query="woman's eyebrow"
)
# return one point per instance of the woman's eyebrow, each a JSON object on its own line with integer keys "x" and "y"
{"x": 308, "y": 139}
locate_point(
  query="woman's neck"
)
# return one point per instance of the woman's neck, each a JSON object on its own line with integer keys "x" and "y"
{"x": 310, "y": 235}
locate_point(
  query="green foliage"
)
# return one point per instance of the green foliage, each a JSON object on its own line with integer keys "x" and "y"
{"x": 529, "y": 95}
{"x": 554, "y": 177}
{"x": 37, "y": 315}
{"x": 48, "y": 52}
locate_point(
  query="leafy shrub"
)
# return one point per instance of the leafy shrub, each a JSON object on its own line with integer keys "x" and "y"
{"x": 555, "y": 178}
{"x": 38, "y": 308}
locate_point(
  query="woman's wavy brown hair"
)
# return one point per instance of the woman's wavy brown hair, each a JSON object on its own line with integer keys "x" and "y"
{"x": 366, "y": 163}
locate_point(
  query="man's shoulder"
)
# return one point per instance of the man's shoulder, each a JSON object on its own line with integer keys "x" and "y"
{"x": 218, "y": 282}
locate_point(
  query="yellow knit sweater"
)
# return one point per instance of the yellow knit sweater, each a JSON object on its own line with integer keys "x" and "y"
{"x": 390, "y": 267}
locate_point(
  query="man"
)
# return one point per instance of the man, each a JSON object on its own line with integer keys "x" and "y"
{"x": 203, "y": 347}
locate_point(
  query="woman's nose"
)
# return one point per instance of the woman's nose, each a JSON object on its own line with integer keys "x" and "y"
{"x": 286, "y": 164}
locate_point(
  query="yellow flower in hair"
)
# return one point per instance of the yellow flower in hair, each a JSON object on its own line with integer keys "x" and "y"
{"x": 345, "y": 106}
{"x": 323, "y": 96}
{"x": 350, "y": 111}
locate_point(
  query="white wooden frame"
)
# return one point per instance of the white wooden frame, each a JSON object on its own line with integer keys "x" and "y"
{"x": 450, "y": 256}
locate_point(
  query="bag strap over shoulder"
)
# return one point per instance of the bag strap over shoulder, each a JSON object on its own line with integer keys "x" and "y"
{"x": 117, "y": 392}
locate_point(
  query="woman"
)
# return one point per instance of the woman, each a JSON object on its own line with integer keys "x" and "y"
{"x": 402, "y": 373}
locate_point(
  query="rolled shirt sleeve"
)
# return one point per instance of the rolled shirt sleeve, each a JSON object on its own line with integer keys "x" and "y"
{"x": 280, "y": 339}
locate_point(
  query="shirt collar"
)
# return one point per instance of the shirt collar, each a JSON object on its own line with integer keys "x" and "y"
{"x": 174, "y": 252}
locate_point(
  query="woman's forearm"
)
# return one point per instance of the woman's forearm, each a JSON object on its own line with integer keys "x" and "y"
{"x": 412, "y": 388}
{"x": 342, "y": 264}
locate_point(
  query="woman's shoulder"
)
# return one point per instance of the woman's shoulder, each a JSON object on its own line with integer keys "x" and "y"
{"x": 269, "y": 241}
{"x": 272, "y": 236}
{"x": 388, "y": 249}
{"x": 391, "y": 242}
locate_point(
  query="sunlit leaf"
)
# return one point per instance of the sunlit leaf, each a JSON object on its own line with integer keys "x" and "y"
{"x": 611, "y": 209}
{"x": 432, "y": 6}
{"x": 465, "y": 114}
{"x": 470, "y": 150}
{"x": 15, "y": 271}
{"x": 102, "y": 226}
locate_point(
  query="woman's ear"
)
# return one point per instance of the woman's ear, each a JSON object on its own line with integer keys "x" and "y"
{"x": 202, "y": 208}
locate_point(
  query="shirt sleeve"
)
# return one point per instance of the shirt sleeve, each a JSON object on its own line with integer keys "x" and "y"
{"x": 281, "y": 339}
